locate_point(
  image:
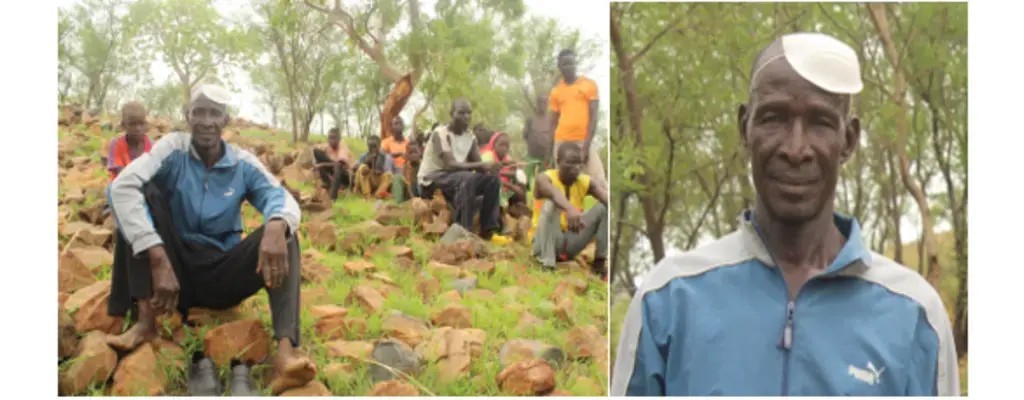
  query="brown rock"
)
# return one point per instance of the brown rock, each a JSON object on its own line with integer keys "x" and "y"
{"x": 428, "y": 288}
{"x": 454, "y": 367}
{"x": 91, "y": 314}
{"x": 383, "y": 278}
{"x": 327, "y": 310}
{"x": 312, "y": 255}
{"x": 312, "y": 389}
{"x": 409, "y": 330}
{"x": 208, "y": 317}
{"x": 452, "y": 349}
{"x": 138, "y": 374}
{"x": 454, "y": 253}
{"x": 93, "y": 257}
{"x": 322, "y": 234}
{"x": 389, "y": 233}
{"x": 340, "y": 327}
{"x": 314, "y": 296}
{"x": 72, "y": 274}
{"x": 349, "y": 349}
{"x": 436, "y": 227}
{"x": 564, "y": 310}
{"x": 352, "y": 242}
{"x": 67, "y": 339}
{"x": 421, "y": 211}
{"x": 585, "y": 342}
{"x": 453, "y": 315}
{"x": 393, "y": 388}
{"x": 559, "y": 393}
{"x": 517, "y": 350}
{"x": 246, "y": 340}
{"x": 97, "y": 237}
{"x": 528, "y": 281}
{"x": 451, "y": 296}
{"x": 390, "y": 214}
{"x": 528, "y": 323}
{"x": 476, "y": 338}
{"x": 480, "y": 267}
{"x": 315, "y": 272}
{"x": 368, "y": 298}
{"x": 94, "y": 364}
{"x": 389, "y": 252}
{"x": 358, "y": 267}
{"x": 578, "y": 285}
{"x": 527, "y": 378}
{"x": 442, "y": 270}
{"x": 338, "y": 370}
{"x": 71, "y": 228}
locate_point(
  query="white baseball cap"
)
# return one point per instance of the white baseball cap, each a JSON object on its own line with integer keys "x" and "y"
{"x": 822, "y": 60}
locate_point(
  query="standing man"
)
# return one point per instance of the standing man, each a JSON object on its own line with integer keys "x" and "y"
{"x": 451, "y": 162}
{"x": 179, "y": 245}
{"x": 574, "y": 103}
{"x": 793, "y": 302}
{"x": 537, "y": 134}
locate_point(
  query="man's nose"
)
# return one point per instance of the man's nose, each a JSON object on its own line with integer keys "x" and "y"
{"x": 795, "y": 147}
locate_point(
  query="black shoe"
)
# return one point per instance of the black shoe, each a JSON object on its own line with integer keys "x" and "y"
{"x": 202, "y": 377}
{"x": 241, "y": 380}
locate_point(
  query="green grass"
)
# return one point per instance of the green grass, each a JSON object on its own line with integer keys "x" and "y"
{"x": 489, "y": 315}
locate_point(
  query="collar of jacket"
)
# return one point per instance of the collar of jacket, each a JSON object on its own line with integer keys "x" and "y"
{"x": 853, "y": 257}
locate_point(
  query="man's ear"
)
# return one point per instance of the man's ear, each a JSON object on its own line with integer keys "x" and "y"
{"x": 742, "y": 117}
{"x": 852, "y": 139}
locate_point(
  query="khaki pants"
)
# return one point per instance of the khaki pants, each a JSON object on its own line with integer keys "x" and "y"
{"x": 372, "y": 183}
{"x": 594, "y": 169}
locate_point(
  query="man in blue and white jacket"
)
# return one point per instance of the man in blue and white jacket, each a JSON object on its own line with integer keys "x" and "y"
{"x": 179, "y": 245}
{"x": 793, "y": 302}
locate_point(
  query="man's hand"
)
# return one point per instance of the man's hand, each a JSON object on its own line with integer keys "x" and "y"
{"x": 574, "y": 220}
{"x": 273, "y": 262}
{"x": 165, "y": 283}
{"x": 491, "y": 167}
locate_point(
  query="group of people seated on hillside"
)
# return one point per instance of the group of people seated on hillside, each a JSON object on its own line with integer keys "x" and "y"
{"x": 177, "y": 207}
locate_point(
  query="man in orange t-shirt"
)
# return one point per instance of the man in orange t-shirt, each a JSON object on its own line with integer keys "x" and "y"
{"x": 396, "y": 145}
{"x": 574, "y": 103}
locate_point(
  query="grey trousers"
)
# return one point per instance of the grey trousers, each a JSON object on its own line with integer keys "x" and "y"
{"x": 207, "y": 276}
{"x": 550, "y": 241}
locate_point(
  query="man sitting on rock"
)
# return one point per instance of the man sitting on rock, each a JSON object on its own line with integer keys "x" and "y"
{"x": 374, "y": 171}
{"x": 561, "y": 229}
{"x": 134, "y": 143}
{"x": 451, "y": 163}
{"x": 332, "y": 163}
{"x": 179, "y": 246}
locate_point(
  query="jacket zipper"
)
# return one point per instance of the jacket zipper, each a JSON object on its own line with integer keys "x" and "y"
{"x": 202, "y": 201}
{"x": 786, "y": 341}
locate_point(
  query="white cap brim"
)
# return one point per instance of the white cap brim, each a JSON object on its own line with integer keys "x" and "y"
{"x": 215, "y": 93}
{"x": 824, "y": 61}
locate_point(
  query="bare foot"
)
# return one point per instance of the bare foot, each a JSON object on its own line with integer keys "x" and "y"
{"x": 291, "y": 371}
{"x": 137, "y": 335}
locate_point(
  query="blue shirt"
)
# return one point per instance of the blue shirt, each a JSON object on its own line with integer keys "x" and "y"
{"x": 718, "y": 320}
{"x": 206, "y": 203}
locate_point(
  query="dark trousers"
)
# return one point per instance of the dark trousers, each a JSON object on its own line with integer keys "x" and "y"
{"x": 328, "y": 174}
{"x": 461, "y": 189}
{"x": 208, "y": 277}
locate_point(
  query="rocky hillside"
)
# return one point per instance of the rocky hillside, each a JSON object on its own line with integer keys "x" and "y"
{"x": 388, "y": 307}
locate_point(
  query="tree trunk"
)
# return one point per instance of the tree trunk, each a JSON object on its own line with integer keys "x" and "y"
{"x": 894, "y": 210}
{"x": 878, "y": 17}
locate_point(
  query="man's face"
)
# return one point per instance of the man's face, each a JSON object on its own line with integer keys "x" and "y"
{"x": 567, "y": 65}
{"x": 797, "y": 136}
{"x": 462, "y": 114}
{"x": 206, "y": 120}
{"x": 333, "y": 139}
{"x": 570, "y": 163}
{"x": 134, "y": 124}
{"x": 373, "y": 145}
{"x": 542, "y": 105}
{"x": 397, "y": 126}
